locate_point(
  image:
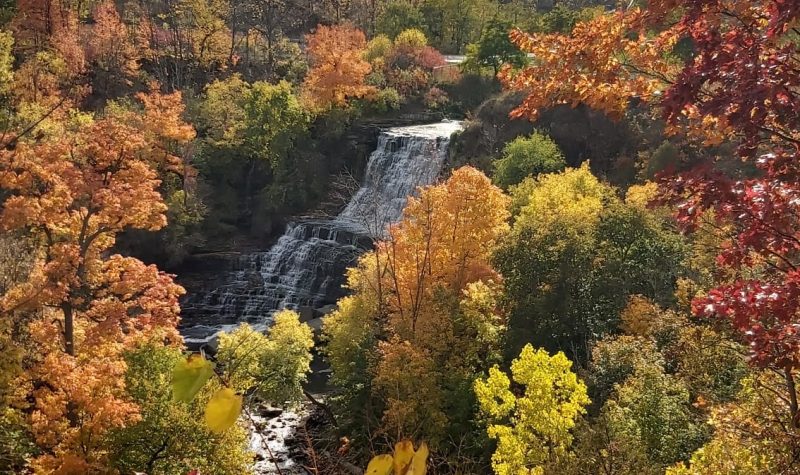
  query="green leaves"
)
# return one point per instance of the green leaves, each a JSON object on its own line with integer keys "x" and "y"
{"x": 189, "y": 377}
{"x": 274, "y": 366}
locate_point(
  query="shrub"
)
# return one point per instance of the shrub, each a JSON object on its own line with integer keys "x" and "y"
{"x": 399, "y": 16}
{"x": 386, "y": 100}
{"x": 377, "y": 48}
{"x": 411, "y": 38}
{"x": 436, "y": 98}
{"x": 527, "y": 156}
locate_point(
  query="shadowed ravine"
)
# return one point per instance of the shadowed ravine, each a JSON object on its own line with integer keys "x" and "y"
{"x": 305, "y": 267}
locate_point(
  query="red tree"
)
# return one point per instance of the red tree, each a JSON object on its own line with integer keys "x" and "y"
{"x": 741, "y": 85}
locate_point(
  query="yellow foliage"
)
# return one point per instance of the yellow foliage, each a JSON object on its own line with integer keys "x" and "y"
{"x": 223, "y": 410}
{"x": 405, "y": 461}
{"x": 574, "y": 196}
{"x": 408, "y": 379}
{"x": 377, "y": 49}
{"x": 640, "y": 316}
{"x": 411, "y": 38}
{"x": 640, "y": 196}
{"x": 430, "y": 294}
{"x": 533, "y": 428}
{"x": 380, "y": 465}
{"x": 751, "y": 435}
{"x": 189, "y": 376}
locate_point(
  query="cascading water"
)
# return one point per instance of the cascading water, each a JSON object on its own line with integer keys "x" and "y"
{"x": 306, "y": 265}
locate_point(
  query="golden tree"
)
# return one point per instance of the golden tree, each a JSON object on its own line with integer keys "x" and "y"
{"x": 423, "y": 311}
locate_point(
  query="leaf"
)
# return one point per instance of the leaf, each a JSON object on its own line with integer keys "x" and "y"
{"x": 403, "y": 453}
{"x": 420, "y": 461}
{"x": 189, "y": 376}
{"x": 380, "y": 465}
{"x": 222, "y": 410}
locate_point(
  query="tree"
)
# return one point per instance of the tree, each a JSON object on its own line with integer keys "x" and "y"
{"x": 591, "y": 74}
{"x": 744, "y": 97}
{"x": 338, "y": 70}
{"x": 444, "y": 241}
{"x": 109, "y": 49}
{"x": 378, "y": 48}
{"x": 495, "y": 49}
{"x": 452, "y": 24}
{"x": 16, "y": 441}
{"x": 74, "y": 194}
{"x": 423, "y": 319}
{"x": 532, "y": 429}
{"x": 527, "y": 156}
{"x": 274, "y": 120}
{"x": 41, "y": 24}
{"x": 399, "y": 15}
{"x": 411, "y": 38}
{"x": 273, "y": 366}
{"x": 410, "y": 62}
{"x": 575, "y": 254}
{"x": 221, "y": 115}
{"x": 655, "y": 409}
{"x": 6, "y": 61}
{"x": 170, "y": 437}
{"x": 748, "y": 437}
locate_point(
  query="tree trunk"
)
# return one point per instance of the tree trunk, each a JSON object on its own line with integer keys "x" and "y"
{"x": 792, "y": 388}
{"x": 69, "y": 329}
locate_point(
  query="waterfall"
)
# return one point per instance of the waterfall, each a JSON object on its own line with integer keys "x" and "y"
{"x": 306, "y": 266}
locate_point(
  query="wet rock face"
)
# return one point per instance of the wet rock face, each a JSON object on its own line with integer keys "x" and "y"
{"x": 306, "y": 266}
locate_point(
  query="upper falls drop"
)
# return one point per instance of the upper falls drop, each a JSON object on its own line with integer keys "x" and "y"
{"x": 306, "y": 266}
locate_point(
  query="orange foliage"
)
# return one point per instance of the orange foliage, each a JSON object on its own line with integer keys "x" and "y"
{"x": 600, "y": 64}
{"x": 435, "y": 287}
{"x": 42, "y": 24}
{"x": 46, "y": 36}
{"x": 109, "y": 46}
{"x": 339, "y": 70}
{"x": 74, "y": 194}
{"x": 166, "y": 132}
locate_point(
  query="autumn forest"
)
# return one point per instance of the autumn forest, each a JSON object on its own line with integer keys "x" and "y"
{"x": 511, "y": 237}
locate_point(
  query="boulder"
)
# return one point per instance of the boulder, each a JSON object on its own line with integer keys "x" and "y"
{"x": 316, "y": 326}
{"x": 269, "y": 412}
{"x": 306, "y": 314}
{"x": 325, "y": 310}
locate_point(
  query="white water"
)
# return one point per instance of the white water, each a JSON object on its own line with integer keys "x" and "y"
{"x": 306, "y": 265}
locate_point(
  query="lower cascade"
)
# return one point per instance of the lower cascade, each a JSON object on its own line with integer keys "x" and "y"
{"x": 306, "y": 266}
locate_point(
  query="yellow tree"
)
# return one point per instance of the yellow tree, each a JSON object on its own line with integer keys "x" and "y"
{"x": 533, "y": 428}
{"x": 444, "y": 241}
{"x": 423, "y": 320}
